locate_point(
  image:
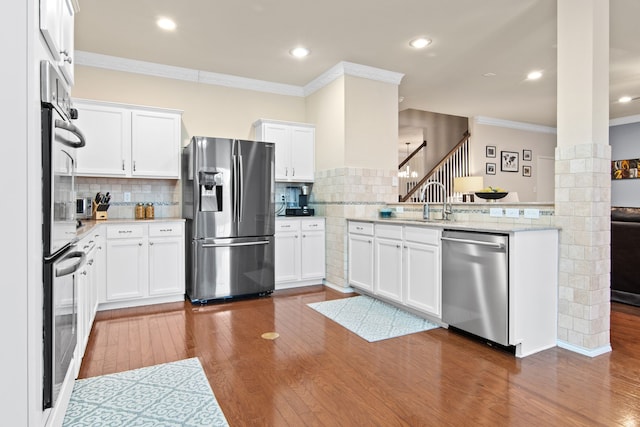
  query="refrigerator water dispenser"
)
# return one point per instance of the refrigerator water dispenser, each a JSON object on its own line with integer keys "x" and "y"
{"x": 210, "y": 191}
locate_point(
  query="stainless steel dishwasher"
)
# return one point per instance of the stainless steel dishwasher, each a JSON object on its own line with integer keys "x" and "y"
{"x": 475, "y": 283}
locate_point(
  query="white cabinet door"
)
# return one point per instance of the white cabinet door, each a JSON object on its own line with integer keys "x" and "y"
{"x": 361, "y": 261}
{"x": 388, "y": 268}
{"x": 67, "y": 41}
{"x": 302, "y": 153}
{"x": 280, "y": 135}
{"x": 295, "y": 148}
{"x": 166, "y": 262}
{"x": 155, "y": 149}
{"x": 287, "y": 256}
{"x": 312, "y": 255}
{"x": 107, "y": 130}
{"x": 127, "y": 268}
{"x": 128, "y": 142}
{"x": 422, "y": 277}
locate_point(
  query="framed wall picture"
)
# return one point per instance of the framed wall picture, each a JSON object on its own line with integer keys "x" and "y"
{"x": 490, "y": 169}
{"x": 526, "y": 170}
{"x": 526, "y": 155}
{"x": 490, "y": 151}
{"x": 509, "y": 161}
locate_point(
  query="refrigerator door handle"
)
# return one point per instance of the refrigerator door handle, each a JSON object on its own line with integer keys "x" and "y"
{"x": 235, "y": 188}
{"x": 223, "y": 245}
{"x": 240, "y": 189}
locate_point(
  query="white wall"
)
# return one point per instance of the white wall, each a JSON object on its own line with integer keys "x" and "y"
{"x": 510, "y": 136}
{"x": 326, "y": 109}
{"x": 371, "y": 118}
{"x": 625, "y": 144}
{"x": 208, "y": 110}
{"x": 14, "y": 319}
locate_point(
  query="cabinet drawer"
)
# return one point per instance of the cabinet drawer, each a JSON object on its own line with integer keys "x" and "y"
{"x": 430, "y": 236}
{"x": 361, "y": 228}
{"x": 389, "y": 231}
{"x": 312, "y": 224}
{"x": 125, "y": 231}
{"x": 165, "y": 229}
{"x": 283, "y": 225}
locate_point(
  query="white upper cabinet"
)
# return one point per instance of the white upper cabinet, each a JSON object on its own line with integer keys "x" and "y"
{"x": 128, "y": 142}
{"x": 57, "y": 28}
{"x": 295, "y": 148}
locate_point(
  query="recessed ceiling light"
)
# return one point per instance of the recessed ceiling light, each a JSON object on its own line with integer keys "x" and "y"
{"x": 166, "y": 24}
{"x": 489, "y": 75}
{"x": 299, "y": 52}
{"x": 625, "y": 99}
{"x": 420, "y": 42}
{"x": 534, "y": 75}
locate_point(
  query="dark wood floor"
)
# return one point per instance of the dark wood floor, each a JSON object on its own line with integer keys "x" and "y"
{"x": 318, "y": 373}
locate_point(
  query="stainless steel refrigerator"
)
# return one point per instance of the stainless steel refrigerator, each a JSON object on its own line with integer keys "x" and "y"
{"x": 229, "y": 206}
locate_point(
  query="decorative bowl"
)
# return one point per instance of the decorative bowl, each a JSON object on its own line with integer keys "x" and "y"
{"x": 491, "y": 195}
{"x": 385, "y": 213}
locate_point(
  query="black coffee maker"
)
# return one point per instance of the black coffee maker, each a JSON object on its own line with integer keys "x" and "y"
{"x": 303, "y": 202}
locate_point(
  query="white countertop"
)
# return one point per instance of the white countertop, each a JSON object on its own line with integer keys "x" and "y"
{"x": 494, "y": 227}
{"x": 89, "y": 224}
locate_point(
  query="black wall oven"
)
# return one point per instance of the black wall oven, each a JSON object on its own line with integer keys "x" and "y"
{"x": 61, "y": 260}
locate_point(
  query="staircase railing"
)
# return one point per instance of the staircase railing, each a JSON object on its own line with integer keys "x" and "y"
{"x": 412, "y": 168}
{"x": 454, "y": 164}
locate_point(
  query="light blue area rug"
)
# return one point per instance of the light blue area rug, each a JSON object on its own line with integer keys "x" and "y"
{"x": 167, "y": 395}
{"x": 372, "y": 319}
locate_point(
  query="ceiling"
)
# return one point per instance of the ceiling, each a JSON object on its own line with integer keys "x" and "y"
{"x": 251, "y": 38}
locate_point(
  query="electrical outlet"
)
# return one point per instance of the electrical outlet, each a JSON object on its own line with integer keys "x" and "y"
{"x": 282, "y": 197}
{"x": 126, "y": 196}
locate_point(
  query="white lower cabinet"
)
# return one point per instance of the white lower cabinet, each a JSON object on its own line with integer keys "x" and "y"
{"x": 299, "y": 252}
{"x": 402, "y": 265}
{"x": 388, "y": 261}
{"x": 422, "y": 271}
{"x": 361, "y": 255}
{"x": 145, "y": 264}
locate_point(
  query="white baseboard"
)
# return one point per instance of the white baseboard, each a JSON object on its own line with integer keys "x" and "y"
{"x": 585, "y": 351}
{"x": 342, "y": 289}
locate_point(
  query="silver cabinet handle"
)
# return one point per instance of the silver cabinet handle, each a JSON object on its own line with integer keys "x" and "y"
{"x": 166, "y": 230}
{"x": 150, "y": 243}
{"x": 125, "y": 231}
{"x": 140, "y": 244}
{"x": 134, "y": 165}
{"x": 122, "y": 164}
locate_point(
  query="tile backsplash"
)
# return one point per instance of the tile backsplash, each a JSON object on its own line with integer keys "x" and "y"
{"x": 165, "y": 194}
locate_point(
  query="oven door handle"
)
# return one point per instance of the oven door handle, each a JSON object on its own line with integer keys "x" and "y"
{"x": 70, "y": 269}
{"x": 61, "y": 124}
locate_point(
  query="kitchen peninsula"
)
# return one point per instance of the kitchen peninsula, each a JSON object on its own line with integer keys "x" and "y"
{"x": 402, "y": 260}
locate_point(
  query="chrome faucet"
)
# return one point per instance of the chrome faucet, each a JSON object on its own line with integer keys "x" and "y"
{"x": 445, "y": 212}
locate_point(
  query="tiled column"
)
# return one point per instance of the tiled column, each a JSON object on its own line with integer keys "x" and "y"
{"x": 348, "y": 193}
{"x": 583, "y": 187}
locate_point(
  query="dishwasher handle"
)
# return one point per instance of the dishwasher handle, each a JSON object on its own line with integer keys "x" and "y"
{"x": 499, "y": 246}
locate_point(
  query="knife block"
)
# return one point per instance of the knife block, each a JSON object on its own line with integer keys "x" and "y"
{"x": 99, "y": 210}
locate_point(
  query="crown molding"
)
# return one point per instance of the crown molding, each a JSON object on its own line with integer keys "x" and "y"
{"x": 344, "y": 68}
{"x": 481, "y": 120}
{"x": 96, "y": 60}
{"x": 114, "y": 63}
{"x": 624, "y": 120}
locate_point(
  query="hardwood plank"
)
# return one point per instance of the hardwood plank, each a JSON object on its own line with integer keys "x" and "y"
{"x": 318, "y": 373}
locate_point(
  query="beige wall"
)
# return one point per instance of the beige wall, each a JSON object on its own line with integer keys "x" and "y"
{"x": 208, "y": 110}
{"x": 371, "y": 117}
{"x": 509, "y": 139}
{"x": 325, "y": 108}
